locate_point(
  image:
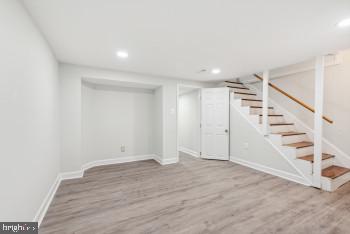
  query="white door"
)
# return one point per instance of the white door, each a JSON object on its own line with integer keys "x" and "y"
{"x": 215, "y": 123}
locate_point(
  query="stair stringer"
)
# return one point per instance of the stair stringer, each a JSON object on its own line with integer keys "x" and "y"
{"x": 341, "y": 158}
{"x": 303, "y": 169}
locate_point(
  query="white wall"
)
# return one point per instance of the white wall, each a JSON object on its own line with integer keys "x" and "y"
{"x": 71, "y": 77}
{"x": 189, "y": 121}
{"x": 336, "y": 99}
{"x": 29, "y": 115}
{"x": 113, "y": 117}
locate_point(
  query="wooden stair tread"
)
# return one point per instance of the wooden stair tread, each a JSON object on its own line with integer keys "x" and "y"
{"x": 281, "y": 124}
{"x": 290, "y": 133}
{"x": 252, "y": 94}
{"x": 260, "y": 107}
{"x": 310, "y": 157}
{"x": 274, "y": 115}
{"x": 254, "y": 100}
{"x": 233, "y": 82}
{"x": 333, "y": 172}
{"x": 301, "y": 144}
{"x": 238, "y": 87}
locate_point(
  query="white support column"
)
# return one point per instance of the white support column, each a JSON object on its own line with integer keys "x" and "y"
{"x": 318, "y": 121}
{"x": 265, "y": 110}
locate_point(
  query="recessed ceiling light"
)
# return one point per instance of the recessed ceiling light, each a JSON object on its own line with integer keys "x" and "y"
{"x": 215, "y": 71}
{"x": 344, "y": 23}
{"x": 122, "y": 54}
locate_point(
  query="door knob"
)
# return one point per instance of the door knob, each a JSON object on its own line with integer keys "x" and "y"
{"x": 226, "y": 130}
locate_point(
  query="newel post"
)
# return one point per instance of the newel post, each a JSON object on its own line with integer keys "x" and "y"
{"x": 318, "y": 121}
{"x": 265, "y": 109}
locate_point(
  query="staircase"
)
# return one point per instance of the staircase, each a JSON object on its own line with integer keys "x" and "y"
{"x": 293, "y": 144}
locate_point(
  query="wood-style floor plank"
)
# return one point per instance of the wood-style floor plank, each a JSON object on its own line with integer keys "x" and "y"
{"x": 193, "y": 196}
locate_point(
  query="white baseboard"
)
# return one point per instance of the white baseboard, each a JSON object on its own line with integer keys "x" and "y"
{"x": 117, "y": 160}
{"x": 165, "y": 161}
{"x": 189, "y": 151}
{"x": 72, "y": 175}
{"x": 39, "y": 216}
{"x": 269, "y": 170}
{"x": 158, "y": 159}
{"x": 79, "y": 174}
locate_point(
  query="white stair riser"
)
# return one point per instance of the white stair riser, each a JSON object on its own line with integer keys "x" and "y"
{"x": 304, "y": 151}
{"x": 282, "y": 128}
{"x": 235, "y": 85}
{"x": 309, "y": 165}
{"x": 274, "y": 119}
{"x": 327, "y": 163}
{"x": 331, "y": 185}
{"x": 240, "y": 96}
{"x": 294, "y": 139}
{"x": 258, "y": 111}
{"x": 251, "y": 103}
{"x": 240, "y": 90}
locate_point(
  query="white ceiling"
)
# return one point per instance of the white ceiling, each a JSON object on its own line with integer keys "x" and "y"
{"x": 178, "y": 38}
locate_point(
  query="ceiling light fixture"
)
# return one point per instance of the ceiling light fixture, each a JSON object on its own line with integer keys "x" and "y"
{"x": 344, "y": 23}
{"x": 215, "y": 71}
{"x": 122, "y": 54}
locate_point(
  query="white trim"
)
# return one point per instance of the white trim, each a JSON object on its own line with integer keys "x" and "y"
{"x": 165, "y": 161}
{"x": 158, "y": 159}
{"x": 72, "y": 175}
{"x": 80, "y": 173}
{"x": 270, "y": 170}
{"x": 265, "y": 109}
{"x": 118, "y": 160}
{"x": 39, "y": 216}
{"x": 189, "y": 151}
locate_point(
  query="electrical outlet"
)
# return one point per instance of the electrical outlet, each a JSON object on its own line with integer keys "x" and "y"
{"x": 122, "y": 148}
{"x": 246, "y": 145}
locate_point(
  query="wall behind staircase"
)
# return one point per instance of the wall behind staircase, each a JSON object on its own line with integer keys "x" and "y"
{"x": 249, "y": 147}
{"x": 29, "y": 115}
{"x": 336, "y": 99}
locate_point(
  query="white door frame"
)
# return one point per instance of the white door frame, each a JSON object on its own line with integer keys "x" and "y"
{"x": 178, "y": 110}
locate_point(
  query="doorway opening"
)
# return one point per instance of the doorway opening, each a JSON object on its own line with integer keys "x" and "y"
{"x": 189, "y": 120}
{"x": 203, "y": 122}
{"x": 121, "y": 121}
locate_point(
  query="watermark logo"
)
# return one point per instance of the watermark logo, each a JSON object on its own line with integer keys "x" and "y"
{"x": 19, "y": 227}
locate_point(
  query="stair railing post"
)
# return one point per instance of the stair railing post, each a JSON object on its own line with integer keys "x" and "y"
{"x": 318, "y": 122}
{"x": 265, "y": 109}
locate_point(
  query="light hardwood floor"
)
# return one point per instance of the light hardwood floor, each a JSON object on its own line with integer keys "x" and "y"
{"x": 193, "y": 196}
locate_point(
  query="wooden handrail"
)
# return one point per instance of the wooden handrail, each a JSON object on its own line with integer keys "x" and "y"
{"x": 294, "y": 99}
